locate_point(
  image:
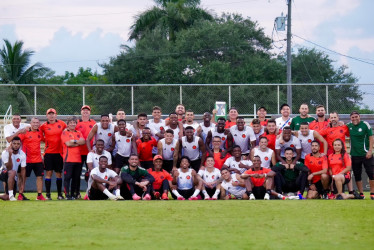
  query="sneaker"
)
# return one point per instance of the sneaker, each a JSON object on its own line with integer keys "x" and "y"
{"x": 331, "y": 196}
{"x": 293, "y": 197}
{"x": 301, "y": 197}
{"x": 70, "y": 198}
{"x": 363, "y": 197}
{"x": 193, "y": 199}
{"x": 357, "y": 195}
{"x": 207, "y": 197}
{"x": 86, "y": 197}
{"x": 213, "y": 198}
{"x": 59, "y": 197}
{"x": 157, "y": 195}
{"x": 181, "y": 198}
{"x": 146, "y": 197}
{"x": 40, "y": 198}
{"x": 25, "y": 198}
{"x": 20, "y": 197}
{"x": 119, "y": 197}
{"x": 48, "y": 196}
{"x": 12, "y": 198}
{"x": 165, "y": 196}
{"x": 112, "y": 197}
{"x": 267, "y": 196}
{"x": 339, "y": 197}
{"x": 136, "y": 197}
{"x": 325, "y": 196}
{"x": 252, "y": 197}
{"x": 78, "y": 197}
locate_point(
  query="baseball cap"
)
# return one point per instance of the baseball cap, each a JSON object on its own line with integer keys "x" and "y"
{"x": 157, "y": 157}
{"x": 51, "y": 110}
{"x": 262, "y": 107}
{"x": 86, "y": 107}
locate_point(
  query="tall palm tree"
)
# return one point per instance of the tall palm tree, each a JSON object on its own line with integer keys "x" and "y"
{"x": 15, "y": 69}
{"x": 168, "y": 16}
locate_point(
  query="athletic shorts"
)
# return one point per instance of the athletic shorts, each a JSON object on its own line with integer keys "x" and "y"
{"x": 196, "y": 165}
{"x": 96, "y": 194}
{"x": 186, "y": 193}
{"x": 53, "y": 162}
{"x": 167, "y": 165}
{"x": 38, "y": 169}
{"x": 146, "y": 164}
{"x": 4, "y": 178}
{"x": 357, "y": 162}
{"x": 259, "y": 192}
{"x": 210, "y": 191}
{"x": 121, "y": 161}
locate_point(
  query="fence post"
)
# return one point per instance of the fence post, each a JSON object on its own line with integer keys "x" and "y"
{"x": 132, "y": 100}
{"x": 84, "y": 95}
{"x": 180, "y": 94}
{"x": 34, "y": 100}
{"x": 278, "y": 98}
{"x": 229, "y": 96}
{"x": 327, "y": 99}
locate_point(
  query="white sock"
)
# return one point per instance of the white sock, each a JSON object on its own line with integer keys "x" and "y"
{"x": 216, "y": 193}
{"x": 205, "y": 193}
{"x": 118, "y": 192}
{"x": 196, "y": 193}
{"x": 107, "y": 193}
{"x": 175, "y": 192}
{"x": 10, "y": 193}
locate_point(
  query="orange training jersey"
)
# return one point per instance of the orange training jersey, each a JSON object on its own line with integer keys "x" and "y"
{"x": 271, "y": 140}
{"x": 316, "y": 164}
{"x": 159, "y": 176}
{"x": 31, "y": 146}
{"x": 258, "y": 182}
{"x": 85, "y": 129}
{"x": 333, "y": 133}
{"x": 218, "y": 162}
{"x": 229, "y": 124}
{"x": 52, "y": 136}
{"x": 71, "y": 154}
{"x": 336, "y": 163}
{"x": 145, "y": 149}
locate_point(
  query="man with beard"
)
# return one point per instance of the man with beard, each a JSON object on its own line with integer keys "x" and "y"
{"x": 287, "y": 140}
{"x": 102, "y": 130}
{"x": 173, "y": 124}
{"x": 236, "y": 163}
{"x": 226, "y": 137}
{"x": 243, "y": 136}
{"x": 191, "y": 146}
{"x": 190, "y": 122}
{"x": 206, "y": 126}
{"x": 303, "y": 117}
{"x": 285, "y": 120}
{"x": 145, "y": 147}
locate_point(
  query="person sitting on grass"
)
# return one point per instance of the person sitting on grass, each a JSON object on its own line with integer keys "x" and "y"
{"x": 136, "y": 180}
{"x": 210, "y": 178}
{"x": 162, "y": 181}
{"x": 187, "y": 183}
{"x": 232, "y": 186}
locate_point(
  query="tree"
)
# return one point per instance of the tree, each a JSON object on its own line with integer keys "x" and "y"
{"x": 15, "y": 69}
{"x": 168, "y": 17}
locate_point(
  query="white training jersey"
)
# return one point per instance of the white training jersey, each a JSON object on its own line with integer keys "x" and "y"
{"x": 237, "y": 191}
{"x": 306, "y": 143}
{"x": 242, "y": 138}
{"x": 123, "y": 144}
{"x": 105, "y": 134}
{"x": 156, "y": 128}
{"x": 293, "y": 143}
{"x": 168, "y": 149}
{"x": 205, "y": 130}
{"x": 94, "y": 158}
{"x": 221, "y": 135}
{"x": 18, "y": 160}
{"x": 210, "y": 176}
{"x": 108, "y": 173}
{"x": 191, "y": 149}
{"x": 185, "y": 181}
{"x": 265, "y": 156}
{"x": 10, "y": 130}
{"x": 195, "y": 126}
{"x": 259, "y": 135}
{"x": 283, "y": 123}
{"x": 176, "y": 131}
{"x": 232, "y": 163}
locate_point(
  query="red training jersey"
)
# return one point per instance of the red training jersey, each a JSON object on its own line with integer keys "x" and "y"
{"x": 271, "y": 140}
{"x": 258, "y": 182}
{"x": 52, "y": 136}
{"x": 85, "y": 129}
{"x": 333, "y": 133}
{"x": 71, "y": 154}
{"x": 31, "y": 146}
{"x": 159, "y": 176}
{"x": 336, "y": 163}
{"x": 316, "y": 164}
{"x": 145, "y": 149}
{"x": 229, "y": 124}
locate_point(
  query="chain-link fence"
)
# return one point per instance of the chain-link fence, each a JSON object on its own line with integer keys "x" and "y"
{"x": 67, "y": 99}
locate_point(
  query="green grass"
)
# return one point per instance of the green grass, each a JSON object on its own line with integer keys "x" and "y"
{"x": 172, "y": 224}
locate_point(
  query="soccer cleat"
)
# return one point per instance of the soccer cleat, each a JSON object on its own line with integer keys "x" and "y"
{"x": 12, "y": 198}
{"x": 78, "y": 197}
{"x": 267, "y": 196}
{"x": 357, "y": 195}
{"x": 157, "y": 195}
{"x": 207, "y": 197}
{"x": 136, "y": 197}
{"x": 20, "y": 197}
{"x": 40, "y": 198}
{"x": 119, "y": 197}
{"x": 60, "y": 197}
{"x": 301, "y": 197}
{"x": 48, "y": 196}
{"x": 146, "y": 197}
{"x": 363, "y": 197}
{"x": 181, "y": 198}
{"x": 69, "y": 198}
{"x": 331, "y": 196}
{"x": 213, "y": 198}
{"x": 193, "y": 199}
{"x": 25, "y": 198}
{"x": 165, "y": 196}
{"x": 325, "y": 196}
{"x": 86, "y": 197}
{"x": 252, "y": 197}
{"x": 339, "y": 197}
{"x": 112, "y": 197}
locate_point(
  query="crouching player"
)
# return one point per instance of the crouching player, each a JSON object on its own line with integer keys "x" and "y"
{"x": 103, "y": 181}
{"x": 162, "y": 181}
{"x": 232, "y": 185}
{"x": 260, "y": 182}
{"x": 136, "y": 181}
{"x": 188, "y": 184}
{"x": 210, "y": 178}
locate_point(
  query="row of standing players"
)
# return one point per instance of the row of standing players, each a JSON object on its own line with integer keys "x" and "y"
{"x": 85, "y": 141}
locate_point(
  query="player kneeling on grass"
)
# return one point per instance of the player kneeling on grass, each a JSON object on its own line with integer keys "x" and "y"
{"x": 188, "y": 184}
{"x": 210, "y": 177}
{"x": 162, "y": 181}
{"x": 104, "y": 180}
{"x": 232, "y": 185}
{"x": 136, "y": 181}
{"x": 260, "y": 182}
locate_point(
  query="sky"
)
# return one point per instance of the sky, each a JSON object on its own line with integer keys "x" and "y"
{"x": 69, "y": 34}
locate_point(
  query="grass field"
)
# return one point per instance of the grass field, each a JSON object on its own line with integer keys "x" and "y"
{"x": 233, "y": 224}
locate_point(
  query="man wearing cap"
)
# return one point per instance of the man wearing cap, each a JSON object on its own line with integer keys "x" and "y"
{"x": 84, "y": 125}
{"x": 52, "y": 130}
{"x": 162, "y": 181}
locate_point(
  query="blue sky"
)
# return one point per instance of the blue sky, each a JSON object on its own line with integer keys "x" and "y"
{"x": 66, "y": 35}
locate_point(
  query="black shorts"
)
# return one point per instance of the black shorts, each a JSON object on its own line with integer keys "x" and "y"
{"x": 121, "y": 161}
{"x": 187, "y": 193}
{"x": 96, "y": 194}
{"x": 146, "y": 164}
{"x": 259, "y": 192}
{"x": 4, "y": 178}
{"x": 38, "y": 169}
{"x": 357, "y": 162}
{"x": 53, "y": 162}
{"x": 196, "y": 165}
{"x": 167, "y": 165}
{"x": 319, "y": 186}
{"x": 210, "y": 191}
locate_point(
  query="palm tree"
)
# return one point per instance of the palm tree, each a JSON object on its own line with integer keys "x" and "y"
{"x": 169, "y": 16}
{"x": 15, "y": 69}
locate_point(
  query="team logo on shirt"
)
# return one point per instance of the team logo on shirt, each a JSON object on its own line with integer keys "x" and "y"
{"x": 162, "y": 177}
{"x": 188, "y": 177}
{"x": 213, "y": 177}
{"x": 309, "y": 141}
{"x": 289, "y": 123}
{"x": 127, "y": 140}
{"x": 320, "y": 162}
{"x": 161, "y": 128}
{"x": 341, "y": 131}
{"x": 38, "y": 136}
{"x": 90, "y": 126}
{"x": 106, "y": 177}
{"x": 18, "y": 160}
{"x": 109, "y": 134}
{"x": 266, "y": 158}
{"x": 30, "y": 137}
{"x": 172, "y": 149}
{"x": 223, "y": 138}
{"x": 243, "y": 136}
{"x": 292, "y": 146}
{"x": 59, "y": 126}
{"x": 310, "y": 162}
{"x": 194, "y": 130}
{"x": 194, "y": 147}
{"x": 360, "y": 130}
{"x": 80, "y": 126}
{"x": 78, "y": 136}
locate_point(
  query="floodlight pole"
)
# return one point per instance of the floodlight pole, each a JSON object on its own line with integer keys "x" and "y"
{"x": 289, "y": 57}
